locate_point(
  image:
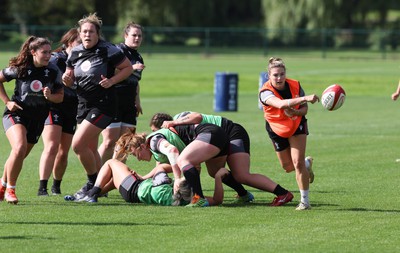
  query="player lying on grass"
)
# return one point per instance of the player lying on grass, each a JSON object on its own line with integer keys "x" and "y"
{"x": 184, "y": 148}
{"x": 214, "y": 164}
{"x": 157, "y": 190}
{"x": 238, "y": 156}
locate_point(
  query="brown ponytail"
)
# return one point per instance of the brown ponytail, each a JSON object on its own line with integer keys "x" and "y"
{"x": 24, "y": 57}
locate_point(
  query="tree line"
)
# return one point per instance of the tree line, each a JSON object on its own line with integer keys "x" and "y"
{"x": 282, "y": 18}
{"x": 273, "y": 14}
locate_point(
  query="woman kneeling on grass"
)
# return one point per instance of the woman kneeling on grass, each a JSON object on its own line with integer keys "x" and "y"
{"x": 157, "y": 190}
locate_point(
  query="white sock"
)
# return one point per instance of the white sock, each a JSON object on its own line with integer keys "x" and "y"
{"x": 10, "y": 186}
{"x": 307, "y": 164}
{"x": 3, "y": 183}
{"x": 304, "y": 197}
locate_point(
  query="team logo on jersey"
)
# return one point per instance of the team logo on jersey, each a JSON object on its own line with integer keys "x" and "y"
{"x": 56, "y": 116}
{"x": 36, "y": 85}
{"x": 85, "y": 66}
{"x": 46, "y": 72}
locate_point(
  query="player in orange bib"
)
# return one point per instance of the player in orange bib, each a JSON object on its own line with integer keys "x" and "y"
{"x": 285, "y": 106}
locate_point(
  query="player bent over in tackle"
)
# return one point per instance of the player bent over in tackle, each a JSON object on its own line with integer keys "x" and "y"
{"x": 238, "y": 156}
{"x": 157, "y": 190}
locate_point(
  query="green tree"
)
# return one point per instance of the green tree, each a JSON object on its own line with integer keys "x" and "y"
{"x": 316, "y": 14}
{"x": 284, "y": 19}
{"x": 47, "y": 12}
{"x": 191, "y": 13}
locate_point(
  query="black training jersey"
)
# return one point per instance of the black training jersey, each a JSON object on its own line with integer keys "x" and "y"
{"x": 28, "y": 91}
{"x": 187, "y": 133}
{"x": 60, "y": 59}
{"x": 70, "y": 97}
{"x": 90, "y": 64}
{"x": 134, "y": 57}
{"x": 133, "y": 80}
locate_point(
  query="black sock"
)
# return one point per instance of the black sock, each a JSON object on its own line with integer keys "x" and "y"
{"x": 92, "y": 178}
{"x": 279, "y": 190}
{"x": 56, "y": 183}
{"x": 43, "y": 184}
{"x": 230, "y": 181}
{"x": 193, "y": 178}
{"x": 94, "y": 191}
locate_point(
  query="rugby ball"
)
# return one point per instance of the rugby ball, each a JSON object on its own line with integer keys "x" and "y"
{"x": 333, "y": 97}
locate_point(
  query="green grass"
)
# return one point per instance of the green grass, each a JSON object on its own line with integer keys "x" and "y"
{"x": 355, "y": 194}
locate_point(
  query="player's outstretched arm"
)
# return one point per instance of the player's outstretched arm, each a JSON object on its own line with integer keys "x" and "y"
{"x": 218, "y": 197}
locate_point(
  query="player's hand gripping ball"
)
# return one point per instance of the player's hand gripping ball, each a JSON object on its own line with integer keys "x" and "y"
{"x": 333, "y": 97}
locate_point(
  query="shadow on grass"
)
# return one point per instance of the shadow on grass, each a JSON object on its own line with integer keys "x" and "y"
{"x": 360, "y": 209}
{"x": 249, "y": 205}
{"x": 354, "y": 209}
{"x": 63, "y": 223}
{"x": 265, "y": 204}
{"x": 73, "y": 203}
{"x": 15, "y": 237}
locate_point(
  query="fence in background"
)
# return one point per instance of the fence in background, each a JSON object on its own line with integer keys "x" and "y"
{"x": 361, "y": 43}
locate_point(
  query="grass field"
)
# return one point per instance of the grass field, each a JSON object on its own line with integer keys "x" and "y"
{"x": 355, "y": 196}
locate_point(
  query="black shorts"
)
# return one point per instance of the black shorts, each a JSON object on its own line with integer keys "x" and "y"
{"x": 126, "y": 106}
{"x": 93, "y": 114}
{"x": 34, "y": 126}
{"x": 281, "y": 143}
{"x": 129, "y": 189}
{"x": 66, "y": 120}
{"x": 239, "y": 141}
{"x": 213, "y": 135}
